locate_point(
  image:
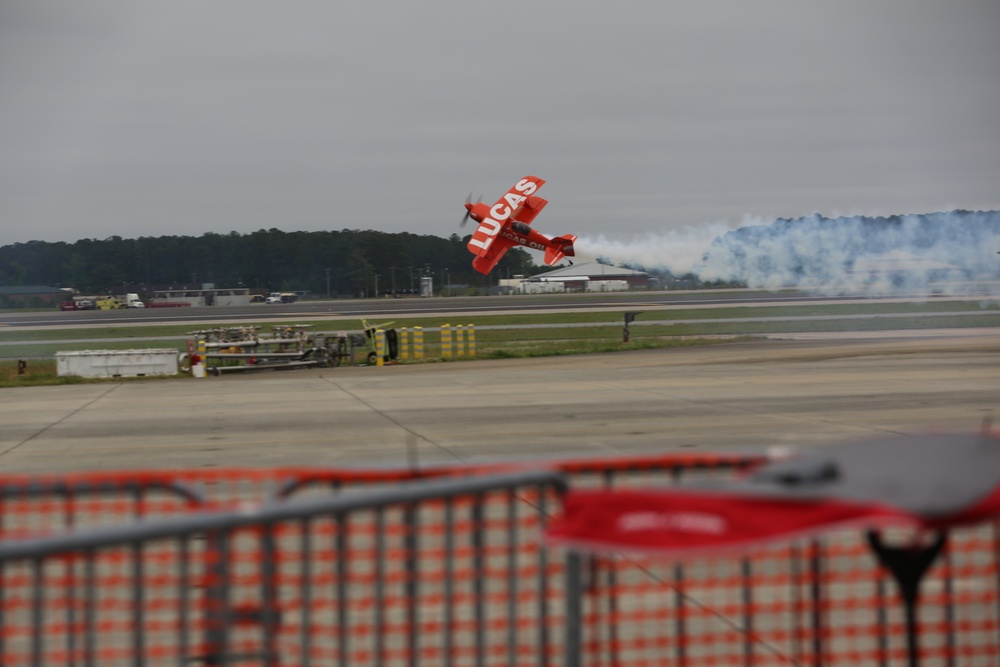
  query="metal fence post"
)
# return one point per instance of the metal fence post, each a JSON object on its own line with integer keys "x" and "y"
{"x": 816, "y": 572}
{"x": 216, "y": 598}
{"x": 270, "y": 613}
{"x": 478, "y": 564}
{"x": 574, "y": 609}
{"x": 412, "y": 582}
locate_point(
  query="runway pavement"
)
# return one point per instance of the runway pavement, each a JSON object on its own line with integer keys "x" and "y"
{"x": 746, "y": 395}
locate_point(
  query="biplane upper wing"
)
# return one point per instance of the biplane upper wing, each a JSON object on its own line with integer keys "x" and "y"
{"x": 486, "y": 234}
{"x": 529, "y": 209}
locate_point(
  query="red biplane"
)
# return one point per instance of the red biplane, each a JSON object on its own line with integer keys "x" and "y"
{"x": 507, "y": 223}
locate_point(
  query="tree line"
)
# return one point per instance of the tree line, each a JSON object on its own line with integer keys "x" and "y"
{"x": 334, "y": 263}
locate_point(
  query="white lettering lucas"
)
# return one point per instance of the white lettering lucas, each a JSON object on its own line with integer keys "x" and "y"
{"x": 492, "y": 225}
{"x": 521, "y": 240}
{"x": 684, "y": 522}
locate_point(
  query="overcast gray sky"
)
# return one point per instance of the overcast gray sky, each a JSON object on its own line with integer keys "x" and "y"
{"x": 120, "y": 117}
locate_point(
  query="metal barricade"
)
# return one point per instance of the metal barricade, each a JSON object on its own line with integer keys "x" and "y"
{"x": 32, "y": 504}
{"x": 347, "y": 585}
{"x": 220, "y": 488}
{"x": 602, "y": 592}
{"x": 433, "y": 572}
{"x": 42, "y": 504}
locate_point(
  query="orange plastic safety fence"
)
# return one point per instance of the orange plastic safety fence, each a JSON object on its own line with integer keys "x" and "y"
{"x": 461, "y": 579}
{"x": 465, "y": 582}
{"x": 822, "y": 602}
{"x": 91, "y": 608}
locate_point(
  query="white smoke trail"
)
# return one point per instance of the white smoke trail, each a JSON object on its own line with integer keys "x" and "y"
{"x": 679, "y": 252}
{"x": 925, "y": 253}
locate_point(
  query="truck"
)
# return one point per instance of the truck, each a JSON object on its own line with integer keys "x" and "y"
{"x": 77, "y": 304}
{"x": 281, "y": 297}
{"x": 109, "y": 302}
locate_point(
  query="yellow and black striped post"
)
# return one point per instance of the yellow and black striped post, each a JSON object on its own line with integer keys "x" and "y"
{"x": 446, "y": 341}
{"x": 404, "y": 343}
{"x": 202, "y": 365}
{"x": 418, "y": 342}
{"x": 380, "y": 347}
{"x": 459, "y": 340}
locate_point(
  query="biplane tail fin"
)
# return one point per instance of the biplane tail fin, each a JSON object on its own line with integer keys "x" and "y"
{"x": 559, "y": 247}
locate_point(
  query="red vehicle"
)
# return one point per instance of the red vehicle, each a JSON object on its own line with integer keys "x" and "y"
{"x": 77, "y": 304}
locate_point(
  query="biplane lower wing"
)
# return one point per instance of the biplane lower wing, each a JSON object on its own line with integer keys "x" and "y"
{"x": 484, "y": 263}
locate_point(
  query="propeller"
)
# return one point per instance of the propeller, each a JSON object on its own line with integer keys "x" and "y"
{"x": 468, "y": 209}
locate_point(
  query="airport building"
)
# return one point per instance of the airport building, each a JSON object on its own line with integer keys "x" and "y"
{"x": 579, "y": 277}
{"x": 27, "y": 294}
